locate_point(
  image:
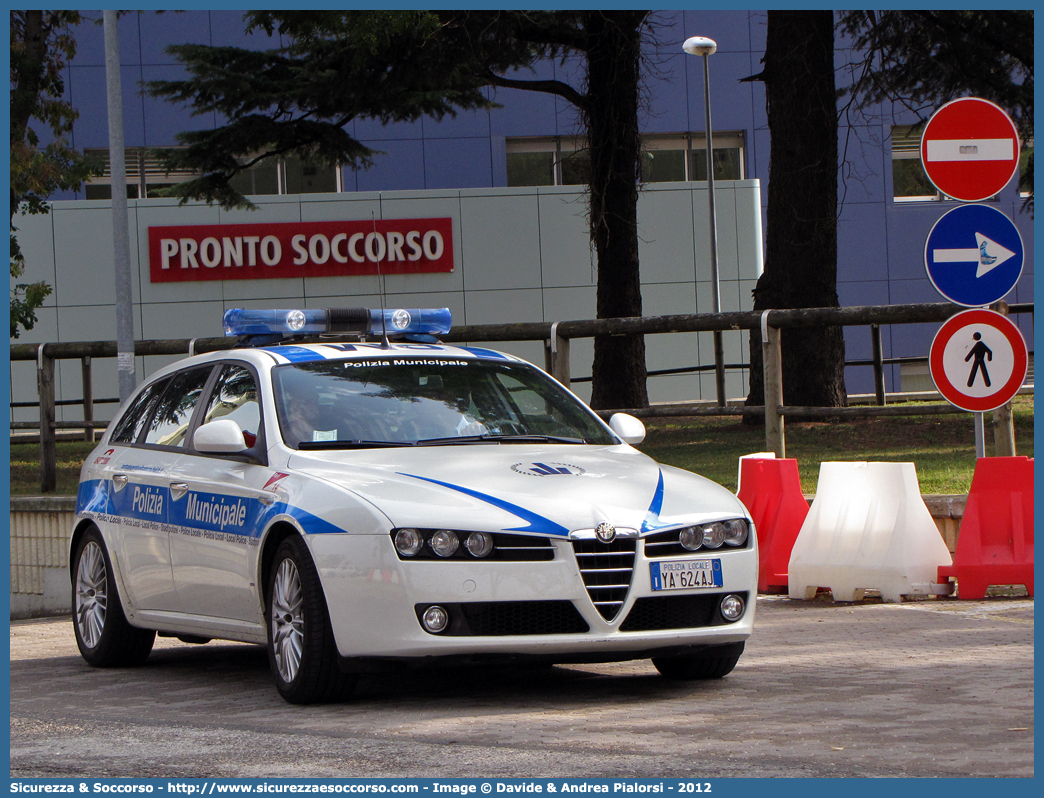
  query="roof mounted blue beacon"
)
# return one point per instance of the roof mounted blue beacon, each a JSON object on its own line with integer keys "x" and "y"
{"x": 261, "y": 327}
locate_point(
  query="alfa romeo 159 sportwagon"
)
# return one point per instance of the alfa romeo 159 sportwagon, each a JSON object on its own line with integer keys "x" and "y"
{"x": 379, "y": 499}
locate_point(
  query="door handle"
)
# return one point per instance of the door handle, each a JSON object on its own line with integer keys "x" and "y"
{"x": 120, "y": 482}
{"x": 177, "y": 490}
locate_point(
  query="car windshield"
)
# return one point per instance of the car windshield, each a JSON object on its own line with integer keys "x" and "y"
{"x": 438, "y": 401}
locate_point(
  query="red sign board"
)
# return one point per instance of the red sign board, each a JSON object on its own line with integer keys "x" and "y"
{"x": 188, "y": 253}
{"x": 978, "y": 360}
{"x": 970, "y": 149}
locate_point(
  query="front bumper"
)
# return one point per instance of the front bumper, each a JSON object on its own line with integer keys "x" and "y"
{"x": 374, "y": 601}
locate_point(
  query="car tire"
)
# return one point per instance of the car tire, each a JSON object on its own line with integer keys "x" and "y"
{"x": 711, "y": 663}
{"x": 301, "y": 648}
{"x": 103, "y": 635}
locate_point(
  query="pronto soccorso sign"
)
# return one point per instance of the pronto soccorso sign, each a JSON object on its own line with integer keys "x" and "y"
{"x": 187, "y": 253}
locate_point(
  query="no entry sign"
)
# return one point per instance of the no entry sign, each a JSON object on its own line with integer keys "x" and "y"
{"x": 978, "y": 360}
{"x": 970, "y": 149}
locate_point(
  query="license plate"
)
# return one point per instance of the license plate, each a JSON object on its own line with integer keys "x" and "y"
{"x": 685, "y": 574}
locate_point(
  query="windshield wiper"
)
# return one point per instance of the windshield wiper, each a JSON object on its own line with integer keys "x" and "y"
{"x": 355, "y": 444}
{"x": 468, "y": 439}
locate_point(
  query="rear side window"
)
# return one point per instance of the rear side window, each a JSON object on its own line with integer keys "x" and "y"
{"x": 235, "y": 398}
{"x": 130, "y": 425}
{"x": 170, "y": 423}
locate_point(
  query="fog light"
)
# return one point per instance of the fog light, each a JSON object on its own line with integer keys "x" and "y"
{"x": 691, "y": 538}
{"x": 735, "y": 532}
{"x": 408, "y": 542}
{"x": 479, "y": 544}
{"x": 732, "y": 607}
{"x": 713, "y": 535}
{"x": 444, "y": 543}
{"x": 435, "y": 619}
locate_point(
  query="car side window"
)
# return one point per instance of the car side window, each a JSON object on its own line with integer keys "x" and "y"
{"x": 235, "y": 397}
{"x": 128, "y": 428}
{"x": 170, "y": 423}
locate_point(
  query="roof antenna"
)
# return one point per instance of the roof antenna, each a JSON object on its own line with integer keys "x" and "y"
{"x": 380, "y": 286}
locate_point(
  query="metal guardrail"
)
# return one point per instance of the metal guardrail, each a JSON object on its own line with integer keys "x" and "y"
{"x": 556, "y": 337}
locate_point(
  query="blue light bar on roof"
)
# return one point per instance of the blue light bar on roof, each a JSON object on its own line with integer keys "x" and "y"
{"x": 357, "y": 321}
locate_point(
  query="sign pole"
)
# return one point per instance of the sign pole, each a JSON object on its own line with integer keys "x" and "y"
{"x": 980, "y": 435}
{"x": 1003, "y": 422}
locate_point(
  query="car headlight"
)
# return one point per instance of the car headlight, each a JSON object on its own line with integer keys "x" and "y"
{"x": 409, "y": 542}
{"x": 736, "y": 531}
{"x": 732, "y": 533}
{"x": 444, "y": 543}
{"x": 691, "y": 538}
{"x": 479, "y": 544}
{"x": 456, "y": 545}
{"x": 713, "y": 535}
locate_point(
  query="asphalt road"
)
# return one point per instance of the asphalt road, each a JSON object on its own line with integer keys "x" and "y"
{"x": 927, "y": 688}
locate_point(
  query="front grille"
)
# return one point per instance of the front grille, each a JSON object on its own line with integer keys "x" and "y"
{"x": 499, "y": 618}
{"x": 606, "y": 569}
{"x": 664, "y": 544}
{"x": 674, "y": 612}
{"x": 522, "y": 548}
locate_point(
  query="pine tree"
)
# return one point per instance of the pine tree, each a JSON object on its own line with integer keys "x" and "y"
{"x": 395, "y": 66}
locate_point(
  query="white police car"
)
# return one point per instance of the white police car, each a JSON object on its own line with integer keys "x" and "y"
{"x": 359, "y": 505}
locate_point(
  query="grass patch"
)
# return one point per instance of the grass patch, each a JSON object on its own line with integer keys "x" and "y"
{"x": 942, "y": 447}
{"x": 25, "y": 467}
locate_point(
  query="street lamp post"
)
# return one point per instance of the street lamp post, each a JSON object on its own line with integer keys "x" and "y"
{"x": 700, "y": 45}
{"x": 120, "y": 230}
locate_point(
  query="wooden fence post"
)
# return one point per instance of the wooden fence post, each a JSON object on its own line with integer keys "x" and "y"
{"x": 559, "y": 356}
{"x": 879, "y": 380}
{"x": 88, "y": 398}
{"x": 48, "y": 451}
{"x": 772, "y": 363}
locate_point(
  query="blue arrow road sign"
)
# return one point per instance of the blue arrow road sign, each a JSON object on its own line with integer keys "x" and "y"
{"x": 974, "y": 255}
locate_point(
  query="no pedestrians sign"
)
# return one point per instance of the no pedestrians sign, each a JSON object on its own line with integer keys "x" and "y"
{"x": 970, "y": 149}
{"x": 978, "y": 360}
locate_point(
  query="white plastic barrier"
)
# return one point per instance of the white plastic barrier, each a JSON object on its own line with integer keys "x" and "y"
{"x": 868, "y": 529}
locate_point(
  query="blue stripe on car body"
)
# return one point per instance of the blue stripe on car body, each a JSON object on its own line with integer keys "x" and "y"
{"x": 537, "y": 523}
{"x": 652, "y": 515}
{"x": 237, "y": 515}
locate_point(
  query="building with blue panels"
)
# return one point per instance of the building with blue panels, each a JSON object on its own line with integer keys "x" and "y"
{"x": 509, "y": 179}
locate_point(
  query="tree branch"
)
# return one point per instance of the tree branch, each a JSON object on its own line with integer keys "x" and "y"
{"x": 556, "y": 87}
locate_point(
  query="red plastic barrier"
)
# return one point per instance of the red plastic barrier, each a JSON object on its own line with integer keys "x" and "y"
{"x": 995, "y": 542}
{"x": 771, "y": 490}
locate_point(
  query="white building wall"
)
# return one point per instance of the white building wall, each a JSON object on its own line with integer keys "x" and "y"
{"x": 520, "y": 254}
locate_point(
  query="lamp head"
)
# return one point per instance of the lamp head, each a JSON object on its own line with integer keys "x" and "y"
{"x": 700, "y": 45}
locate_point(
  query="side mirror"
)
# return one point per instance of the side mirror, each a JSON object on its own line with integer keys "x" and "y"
{"x": 222, "y": 436}
{"x": 630, "y": 429}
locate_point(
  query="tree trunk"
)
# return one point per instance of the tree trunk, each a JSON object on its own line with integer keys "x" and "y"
{"x": 801, "y": 246}
{"x": 610, "y": 115}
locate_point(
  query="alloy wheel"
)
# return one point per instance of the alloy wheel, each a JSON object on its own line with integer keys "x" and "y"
{"x": 287, "y": 620}
{"x": 91, "y": 594}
